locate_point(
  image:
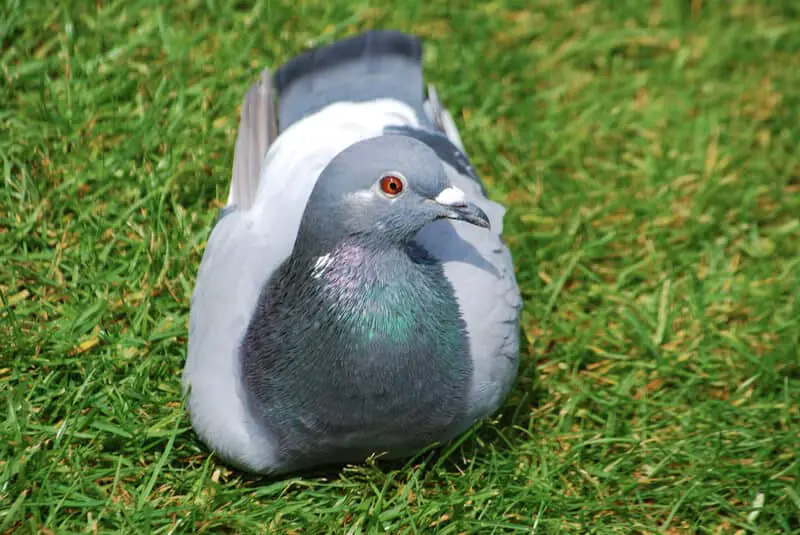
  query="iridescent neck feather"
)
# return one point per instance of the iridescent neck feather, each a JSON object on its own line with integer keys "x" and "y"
{"x": 356, "y": 346}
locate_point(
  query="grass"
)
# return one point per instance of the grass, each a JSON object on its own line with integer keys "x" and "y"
{"x": 648, "y": 156}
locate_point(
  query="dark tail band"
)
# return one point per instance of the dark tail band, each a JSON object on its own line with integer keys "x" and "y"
{"x": 374, "y": 64}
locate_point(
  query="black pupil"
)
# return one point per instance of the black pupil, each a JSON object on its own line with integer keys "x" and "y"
{"x": 391, "y": 185}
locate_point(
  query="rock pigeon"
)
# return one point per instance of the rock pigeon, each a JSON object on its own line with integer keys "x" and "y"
{"x": 355, "y": 296}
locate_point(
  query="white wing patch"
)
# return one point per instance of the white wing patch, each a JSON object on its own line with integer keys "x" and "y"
{"x": 297, "y": 158}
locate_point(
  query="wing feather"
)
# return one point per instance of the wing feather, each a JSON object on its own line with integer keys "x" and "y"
{"x": 257, "y": 131}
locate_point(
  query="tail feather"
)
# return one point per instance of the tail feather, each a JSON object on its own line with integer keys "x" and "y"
{"x": 373, "y": 65}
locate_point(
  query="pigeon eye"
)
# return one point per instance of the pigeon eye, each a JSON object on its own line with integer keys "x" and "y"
{"x": 391, "y": 185}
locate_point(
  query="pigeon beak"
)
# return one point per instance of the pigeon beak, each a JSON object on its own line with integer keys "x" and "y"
{"x": 457, "y": 207}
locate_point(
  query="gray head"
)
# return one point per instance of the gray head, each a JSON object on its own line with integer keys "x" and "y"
{"x": 344, "y": 360}
{"x": 384, "y": 190}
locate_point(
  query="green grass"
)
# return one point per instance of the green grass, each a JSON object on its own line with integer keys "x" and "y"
{"x": 647, "y": 153}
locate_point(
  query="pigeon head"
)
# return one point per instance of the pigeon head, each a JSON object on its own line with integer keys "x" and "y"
{"x": 384, "y": 190}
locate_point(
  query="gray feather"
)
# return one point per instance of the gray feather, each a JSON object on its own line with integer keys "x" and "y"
{"x": 329, "y": 322}
{"x": 372, "y": 65}
{"x": 441, "y": 118}
{"x": 257, "y": 130}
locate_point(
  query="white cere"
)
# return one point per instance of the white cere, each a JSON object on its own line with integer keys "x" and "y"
{"x": 451, "y": 196}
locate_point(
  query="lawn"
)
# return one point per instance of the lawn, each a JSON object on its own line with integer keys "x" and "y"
{"x": 648, "y": 156}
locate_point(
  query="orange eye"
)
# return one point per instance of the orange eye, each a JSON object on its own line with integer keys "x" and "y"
{"x": 391, "y": 185}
